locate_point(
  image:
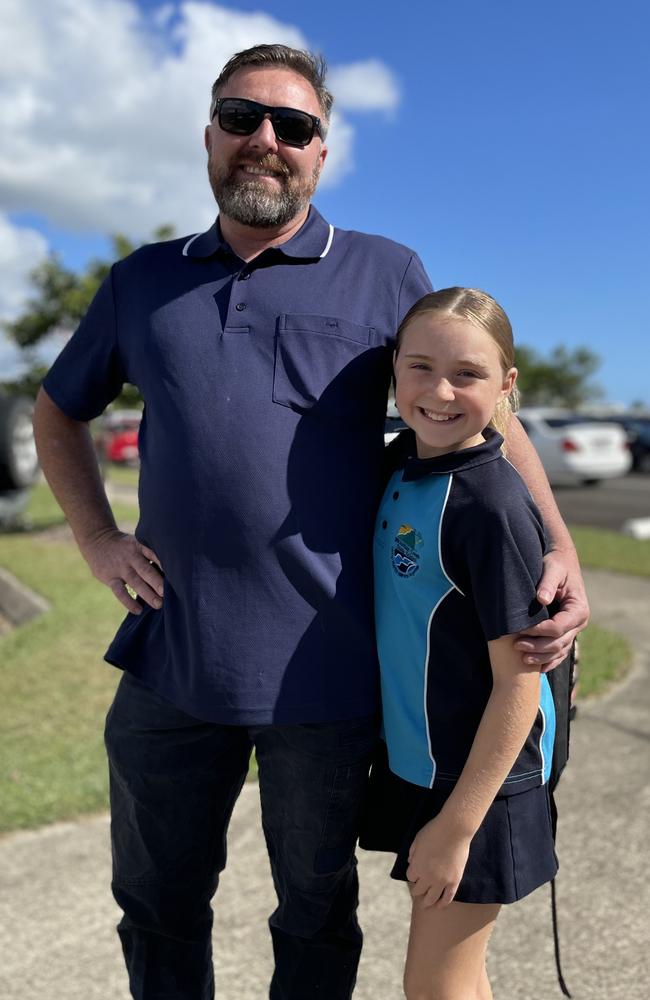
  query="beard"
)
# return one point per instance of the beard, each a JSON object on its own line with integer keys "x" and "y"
{"x": 249, "y": 201}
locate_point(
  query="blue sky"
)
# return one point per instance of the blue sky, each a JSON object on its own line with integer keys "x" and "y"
{"x": 505, "y": 140}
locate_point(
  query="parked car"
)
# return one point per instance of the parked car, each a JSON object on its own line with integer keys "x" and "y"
{"x": 574, "y": 448}
{"x": 637, "y": 428}
{"x": 19, "y": 468}
{"x": 118, "y": 437}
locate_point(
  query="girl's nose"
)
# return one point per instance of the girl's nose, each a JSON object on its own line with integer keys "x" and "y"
{"x": 444, "y": 389}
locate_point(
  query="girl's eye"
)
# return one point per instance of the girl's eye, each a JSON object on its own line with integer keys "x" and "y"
{"x": 468, "y": 374}
{"x": 420, "y": 365}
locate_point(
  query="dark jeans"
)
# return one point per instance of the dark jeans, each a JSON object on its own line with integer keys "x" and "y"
{"x": 174, "y": 782}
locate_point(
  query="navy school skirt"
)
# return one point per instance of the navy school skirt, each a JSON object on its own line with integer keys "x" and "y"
{"x": 512, "y": 852}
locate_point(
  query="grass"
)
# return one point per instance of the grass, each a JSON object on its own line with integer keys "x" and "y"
{"x": 605, "y": 657}
{"x": 612, "y": 551}
{"x": 55, "y": 688}
{"x": 122, "y": 475}
{"x": 44, "y": 512}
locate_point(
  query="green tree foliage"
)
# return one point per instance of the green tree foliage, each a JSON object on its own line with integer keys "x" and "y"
{"x": 61, "y": 297}
{"x": 561, "y": 379}
{"x": 59, "y": 300}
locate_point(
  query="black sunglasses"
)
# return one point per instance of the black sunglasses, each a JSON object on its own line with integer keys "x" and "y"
{"x": 242, "y": 117}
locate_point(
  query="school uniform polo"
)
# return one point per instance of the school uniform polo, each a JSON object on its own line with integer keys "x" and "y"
{"x": 458, "y": 554}
{"x": 261, "y": 444}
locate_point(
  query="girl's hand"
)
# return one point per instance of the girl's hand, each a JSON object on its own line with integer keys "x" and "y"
{"x": 437, "y": 861}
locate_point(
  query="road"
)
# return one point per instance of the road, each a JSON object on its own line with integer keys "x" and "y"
{"x": 606, "y": 505}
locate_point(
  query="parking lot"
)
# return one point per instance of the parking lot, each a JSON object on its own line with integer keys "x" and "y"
{"x": 606, "y": 505}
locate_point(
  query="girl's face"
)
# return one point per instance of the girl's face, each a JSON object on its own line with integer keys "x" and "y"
{"x": 449, "y": 380}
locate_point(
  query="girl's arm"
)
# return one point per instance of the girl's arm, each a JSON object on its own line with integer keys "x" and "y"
{"x": 439, "y": 851}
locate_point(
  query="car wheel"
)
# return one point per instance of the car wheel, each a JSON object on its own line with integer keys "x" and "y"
{"x": 591, "y": 482}
{"x": 643, "y": 463}
{"x": 18, "y": 459}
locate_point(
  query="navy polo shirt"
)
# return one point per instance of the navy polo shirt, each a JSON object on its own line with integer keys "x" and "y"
{"x": 458, "y": 553}
{"x": 261, "y": 444}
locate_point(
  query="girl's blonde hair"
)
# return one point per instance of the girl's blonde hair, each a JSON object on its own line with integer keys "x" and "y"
{"x": 483, "y": 311}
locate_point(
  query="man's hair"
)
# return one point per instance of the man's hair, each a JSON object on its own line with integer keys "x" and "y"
{"x": 312, "y": 67}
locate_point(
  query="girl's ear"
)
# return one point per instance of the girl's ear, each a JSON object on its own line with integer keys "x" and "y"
{"x": 509, "y": 380}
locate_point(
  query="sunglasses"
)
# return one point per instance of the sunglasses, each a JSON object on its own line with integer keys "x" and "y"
{"x": 242, "y": 117}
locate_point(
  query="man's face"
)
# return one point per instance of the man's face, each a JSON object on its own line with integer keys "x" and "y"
{"x": 257, "y": 179}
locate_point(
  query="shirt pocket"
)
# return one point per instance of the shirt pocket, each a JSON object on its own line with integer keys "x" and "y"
{"x": 324, "y": 365}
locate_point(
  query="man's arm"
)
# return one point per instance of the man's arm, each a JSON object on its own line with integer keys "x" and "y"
{"x": 550, "y": 642}
{"x": 67, "y": 456}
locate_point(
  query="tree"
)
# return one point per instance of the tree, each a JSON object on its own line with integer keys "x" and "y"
{"x": 60, "y": 299}
{"x": 561, "y": 379}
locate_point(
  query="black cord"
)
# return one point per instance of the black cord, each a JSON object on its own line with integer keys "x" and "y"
{"x": 556, "y": 942}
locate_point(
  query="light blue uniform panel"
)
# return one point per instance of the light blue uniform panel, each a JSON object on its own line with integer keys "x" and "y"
{"x": 548, "y": 735}
{"x": 409, "y": 585}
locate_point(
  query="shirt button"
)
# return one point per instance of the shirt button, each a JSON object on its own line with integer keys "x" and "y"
{"x": 395, "y": 494}
{"x": 240, "y": 306}
{"x": 384, "y": 524}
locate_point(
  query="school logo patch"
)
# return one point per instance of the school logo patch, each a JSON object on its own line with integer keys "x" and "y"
{"x": 405, "y": 558}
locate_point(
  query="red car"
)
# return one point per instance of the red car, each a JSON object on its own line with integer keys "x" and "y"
{"x": 118, "y": 440}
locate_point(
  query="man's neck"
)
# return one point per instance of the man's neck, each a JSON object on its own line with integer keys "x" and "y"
{"x": 248, "y": 241}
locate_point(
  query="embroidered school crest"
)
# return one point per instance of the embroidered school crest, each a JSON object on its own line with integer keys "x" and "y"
{"x": 404, "y": 556}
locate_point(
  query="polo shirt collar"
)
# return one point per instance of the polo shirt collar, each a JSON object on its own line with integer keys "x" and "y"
{"x": 313, "y": 240}
{"x": 456, "y": 461}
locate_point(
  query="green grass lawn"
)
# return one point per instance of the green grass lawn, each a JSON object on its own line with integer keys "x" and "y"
{"x": 55, "y": 688}
{"x": 122, "y": 475}
{"x": 599, "y": 549}
{"x": 605, "y": 657}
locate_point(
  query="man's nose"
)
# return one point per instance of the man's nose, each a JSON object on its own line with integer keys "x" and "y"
{"x": 264, "y": 137}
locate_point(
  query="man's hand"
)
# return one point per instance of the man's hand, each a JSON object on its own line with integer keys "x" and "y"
{"x": 549, "y": 643}
{"x": 119, "y": 560}
{"x": 437, "y": 861}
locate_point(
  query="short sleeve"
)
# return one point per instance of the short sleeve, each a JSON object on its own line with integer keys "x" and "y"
{"x": 495, "y": 554}
{"x": 415, "y": 284}
{"x": 88, "y": 374}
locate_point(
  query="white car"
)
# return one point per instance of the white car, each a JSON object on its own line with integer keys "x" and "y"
{"x": 574, "y": 449}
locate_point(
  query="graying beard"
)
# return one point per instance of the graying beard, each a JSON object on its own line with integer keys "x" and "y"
{"x": 253, "y": 205}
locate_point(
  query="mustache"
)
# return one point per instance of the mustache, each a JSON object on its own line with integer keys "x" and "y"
{"x": 270, "y": 161}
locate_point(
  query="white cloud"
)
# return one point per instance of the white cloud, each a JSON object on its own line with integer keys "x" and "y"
{"x": 21, "y": 249}
{"x": 102, "y": 109}
{"x": 364, "y": 86}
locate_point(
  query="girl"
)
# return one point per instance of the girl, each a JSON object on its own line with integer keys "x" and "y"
{"x": 460, "y": 792}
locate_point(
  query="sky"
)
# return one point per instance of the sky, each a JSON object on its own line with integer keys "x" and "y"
{"x": 507, "y": 141}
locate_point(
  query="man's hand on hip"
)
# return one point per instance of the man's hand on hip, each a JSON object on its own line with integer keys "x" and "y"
{"x": 119, "y": 560}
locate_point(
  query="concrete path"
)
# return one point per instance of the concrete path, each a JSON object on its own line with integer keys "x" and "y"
{"x": 57, "y": 915}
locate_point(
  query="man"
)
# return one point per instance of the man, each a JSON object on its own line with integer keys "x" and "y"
{"x": 262, "y": 349}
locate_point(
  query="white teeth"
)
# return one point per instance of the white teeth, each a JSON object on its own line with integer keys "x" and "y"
{"x": 440, "y": 418}
{"x": 260, "y": 171}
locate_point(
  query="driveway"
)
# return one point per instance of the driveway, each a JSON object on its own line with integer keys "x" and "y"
{"x": 57, "y": 915}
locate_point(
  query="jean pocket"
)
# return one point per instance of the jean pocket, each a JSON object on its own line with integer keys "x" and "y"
{"x": 343, "y": 818}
